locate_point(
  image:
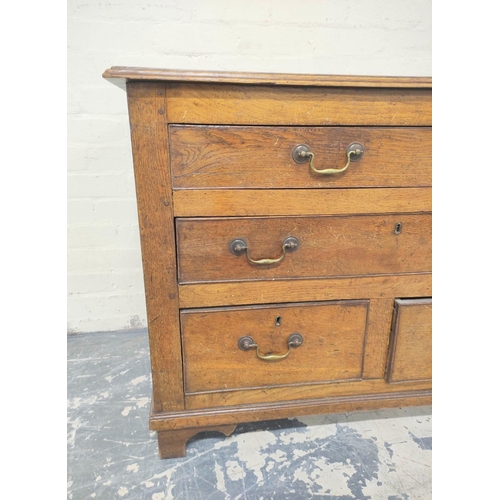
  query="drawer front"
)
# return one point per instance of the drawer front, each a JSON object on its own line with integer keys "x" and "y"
{"x": 332, "y": 345}
{"x": 226, "y": 104}
{"x": 410, "y": 354}
{"x": 327, "y": 247}
{"x": 261, "y": 157}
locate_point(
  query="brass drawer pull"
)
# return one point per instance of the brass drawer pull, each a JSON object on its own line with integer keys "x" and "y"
{"x": 239, "y": 247}
{"x": 246, "y": 343}
{"x": 302, "y": 153}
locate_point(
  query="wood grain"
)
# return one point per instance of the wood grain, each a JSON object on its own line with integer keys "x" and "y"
{"x": 328, "y": 247}
{"x": 135, "y": 73}
{"x": 260, "y": 157}
{"x": 288, "y": 409}
{"x": 146, "y": 103}
{"x": 410, "y": 355}
{"x": 377, "y": 337}
{"x": 298, "y": 392}
{"x": 264, "y": 292}
{"x": 333, "y": 333}
{"x": 226, "y": 104}
{"x": 255, "y": 202}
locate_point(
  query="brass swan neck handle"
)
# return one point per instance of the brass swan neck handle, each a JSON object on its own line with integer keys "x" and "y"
{"x": 246, "y": 343}
{"x": 302, "y": 153}
{"x": 240, "y": 247}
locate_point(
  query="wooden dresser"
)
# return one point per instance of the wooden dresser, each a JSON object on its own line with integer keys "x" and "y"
{"x": 286, "y": 242}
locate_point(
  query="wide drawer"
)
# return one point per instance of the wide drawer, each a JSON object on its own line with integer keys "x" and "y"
{"x": 261, "y": 157}
{"x": 214, "y": 249}
{"x": 331, "y": 349}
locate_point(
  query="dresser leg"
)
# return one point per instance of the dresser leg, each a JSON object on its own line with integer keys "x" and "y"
{"x": 172, "y": 443}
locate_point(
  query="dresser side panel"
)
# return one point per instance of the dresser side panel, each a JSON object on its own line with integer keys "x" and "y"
{"x": 148, "y": 127}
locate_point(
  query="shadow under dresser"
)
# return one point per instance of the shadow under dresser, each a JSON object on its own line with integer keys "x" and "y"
{"x": 285, "y": 226}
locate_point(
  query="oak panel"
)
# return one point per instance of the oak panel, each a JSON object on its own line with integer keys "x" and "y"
{"x": 146, "y": 103}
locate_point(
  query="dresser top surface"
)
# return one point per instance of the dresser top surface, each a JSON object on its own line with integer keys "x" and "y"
{"x": 120, "y": 73}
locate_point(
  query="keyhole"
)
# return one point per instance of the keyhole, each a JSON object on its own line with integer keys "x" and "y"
{"x": 398, "y": 228}
{"x": 278, "y": 321}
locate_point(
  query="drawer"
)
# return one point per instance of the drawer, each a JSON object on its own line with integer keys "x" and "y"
{"x": 410, "y": 353}
{"x": 226, "y": 104}
{"x": 331, "y": 338}
{"x": 208, "y": 249}
{"x": 261, "y": 157}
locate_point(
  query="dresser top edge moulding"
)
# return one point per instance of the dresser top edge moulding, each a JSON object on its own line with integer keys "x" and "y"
{"x": 118, "y": 74}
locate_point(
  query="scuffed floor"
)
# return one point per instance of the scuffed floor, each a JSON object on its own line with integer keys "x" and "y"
{"x": 112, "y": 454}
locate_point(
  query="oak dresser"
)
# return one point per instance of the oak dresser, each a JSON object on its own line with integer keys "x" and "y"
{"x": 285, "y": 226}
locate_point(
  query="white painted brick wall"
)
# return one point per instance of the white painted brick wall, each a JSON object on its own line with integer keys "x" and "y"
{"x": 105, "y": 288}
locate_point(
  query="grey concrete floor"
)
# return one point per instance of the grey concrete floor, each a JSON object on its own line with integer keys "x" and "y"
{"x": 112, "y": 454}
